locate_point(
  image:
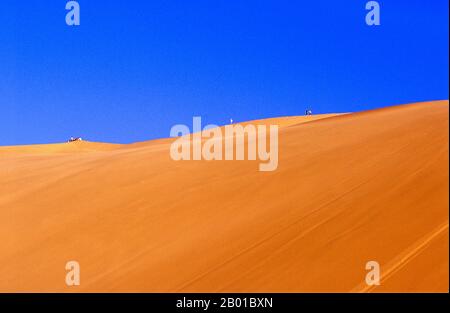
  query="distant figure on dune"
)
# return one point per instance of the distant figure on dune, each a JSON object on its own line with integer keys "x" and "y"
{"x": 72, "y": 139}
{"x": 308, "y": 112}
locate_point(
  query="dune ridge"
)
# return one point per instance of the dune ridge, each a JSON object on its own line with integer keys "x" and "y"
{"x": 349, "y": 189}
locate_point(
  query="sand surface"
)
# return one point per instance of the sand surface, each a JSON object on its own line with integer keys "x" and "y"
{"x": 348, "y": 189}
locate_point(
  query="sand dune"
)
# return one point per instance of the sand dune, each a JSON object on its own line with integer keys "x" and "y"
{"x": 348, "y": 189}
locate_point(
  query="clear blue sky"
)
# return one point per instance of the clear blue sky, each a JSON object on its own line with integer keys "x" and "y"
{"x": 133, "y": 69}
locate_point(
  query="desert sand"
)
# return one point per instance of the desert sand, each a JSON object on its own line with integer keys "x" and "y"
{"x": 348, "y": 189}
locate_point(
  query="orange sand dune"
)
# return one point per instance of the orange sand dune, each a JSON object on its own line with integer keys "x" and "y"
{"x": 348, "y": 189}
{"x": 78, "y": 146}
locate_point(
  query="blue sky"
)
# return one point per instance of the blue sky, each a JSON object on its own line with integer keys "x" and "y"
{"x": 133, "y": 69}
